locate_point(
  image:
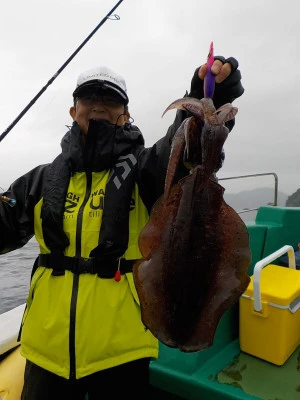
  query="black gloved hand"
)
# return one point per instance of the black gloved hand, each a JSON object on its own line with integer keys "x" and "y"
{"x": 225, "y": 92}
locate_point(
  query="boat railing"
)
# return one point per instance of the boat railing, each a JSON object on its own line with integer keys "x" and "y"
{"x": 255, "y": 175}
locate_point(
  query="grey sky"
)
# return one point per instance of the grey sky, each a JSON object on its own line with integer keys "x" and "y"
{"x": 156, "y": 45}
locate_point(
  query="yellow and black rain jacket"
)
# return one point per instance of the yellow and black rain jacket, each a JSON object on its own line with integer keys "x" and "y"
{"x": 78, "y": 318}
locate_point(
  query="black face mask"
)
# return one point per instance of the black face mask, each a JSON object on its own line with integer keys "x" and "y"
{"x": 105, "y": 143}
{"x": 99, "y": 150}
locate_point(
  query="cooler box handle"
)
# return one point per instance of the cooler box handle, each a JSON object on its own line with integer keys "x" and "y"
{"x": 263, "y": 263}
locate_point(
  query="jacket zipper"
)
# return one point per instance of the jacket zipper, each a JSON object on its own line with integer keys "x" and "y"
{"x": 76, "y": 278}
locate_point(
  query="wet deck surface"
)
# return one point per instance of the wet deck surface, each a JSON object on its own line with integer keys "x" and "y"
{"x": 262, "y": 379}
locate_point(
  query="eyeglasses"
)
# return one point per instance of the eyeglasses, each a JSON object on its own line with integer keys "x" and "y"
{"x": 106, "y": 99}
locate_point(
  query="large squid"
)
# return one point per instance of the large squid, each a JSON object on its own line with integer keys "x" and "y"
{"x": 195, "y": 247}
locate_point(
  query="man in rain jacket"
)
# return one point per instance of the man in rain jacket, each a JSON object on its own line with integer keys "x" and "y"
{"x": 82, "y": 331}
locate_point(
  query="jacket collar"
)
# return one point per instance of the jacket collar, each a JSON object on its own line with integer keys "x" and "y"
{"x": 105, "y": 143}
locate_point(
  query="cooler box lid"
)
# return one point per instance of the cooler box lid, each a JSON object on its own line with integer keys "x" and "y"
{"x": 279, "y": 285}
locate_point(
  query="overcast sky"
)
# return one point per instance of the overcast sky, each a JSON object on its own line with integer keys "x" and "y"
{"x": 156, "y": 45}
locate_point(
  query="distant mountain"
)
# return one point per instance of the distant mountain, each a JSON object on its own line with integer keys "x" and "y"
{"x": 294, "y": 199}
{"x": 249, "y": 199}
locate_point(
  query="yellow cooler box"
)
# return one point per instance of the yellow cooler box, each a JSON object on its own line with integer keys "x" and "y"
{"x": 270, "y": 310}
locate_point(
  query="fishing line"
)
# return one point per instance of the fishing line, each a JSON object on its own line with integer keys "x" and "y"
{"x": 30, "y": 104}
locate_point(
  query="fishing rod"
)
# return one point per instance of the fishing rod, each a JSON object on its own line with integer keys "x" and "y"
{"x": 5, "y": 199}
{"x": 30, "y": 104}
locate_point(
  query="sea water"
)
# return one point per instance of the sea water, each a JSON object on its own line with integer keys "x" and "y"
{"x": 15, "y": 272}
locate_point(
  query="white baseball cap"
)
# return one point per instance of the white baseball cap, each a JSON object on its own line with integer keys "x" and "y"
{"x": 101, "y": 78}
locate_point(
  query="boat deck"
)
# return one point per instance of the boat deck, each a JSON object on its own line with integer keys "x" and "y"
{"x": 223, "y": 372}
{"x": 263, "y": 379}
{"x": 243, "y": 378}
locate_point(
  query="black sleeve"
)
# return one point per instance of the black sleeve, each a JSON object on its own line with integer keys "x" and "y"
{"x": 153, "y": 164}
{"x": 17, "y": 223}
